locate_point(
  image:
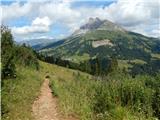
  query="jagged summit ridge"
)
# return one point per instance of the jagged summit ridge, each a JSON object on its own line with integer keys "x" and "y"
{"x": 92, "y": 24}
{"x": 98, "y": 24}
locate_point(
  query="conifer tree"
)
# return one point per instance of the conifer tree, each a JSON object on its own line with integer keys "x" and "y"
{"x": 7, "y": 53}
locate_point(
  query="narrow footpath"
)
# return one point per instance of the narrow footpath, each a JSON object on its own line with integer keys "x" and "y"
{"x": 45, "y": 107}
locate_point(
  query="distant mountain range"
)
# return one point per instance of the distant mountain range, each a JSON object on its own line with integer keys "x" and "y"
{"x": 38, "y": 43}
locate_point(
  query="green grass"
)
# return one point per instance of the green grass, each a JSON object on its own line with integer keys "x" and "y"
{"x": 124, "y": 64}
{"x": 18, "y": 94}
{"x": 72, "y": 95}
{"x": 116, "y": 98}
{"x": 78, "y": 59}
{"x": 81, "y": 95}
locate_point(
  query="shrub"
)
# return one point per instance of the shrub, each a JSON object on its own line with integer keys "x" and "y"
{"x": 134, "y": 93}
{"x": 102, "y": 99}
{"x": 7, "y": 54}
{"x": 130, "y": 93}
{"x": 25, "y": 56}
{"x": 12, "y": 54}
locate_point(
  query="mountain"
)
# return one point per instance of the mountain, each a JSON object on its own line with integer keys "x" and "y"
{"x": 53, "y": 44}
{"x": 38, "y": 43}
{"x": 98, "y": 24}
{"x": 104, "y": 39}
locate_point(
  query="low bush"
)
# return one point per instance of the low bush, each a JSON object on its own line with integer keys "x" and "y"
{"x": 25, "y": 56}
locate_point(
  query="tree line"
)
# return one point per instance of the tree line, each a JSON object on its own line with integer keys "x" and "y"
{"x": 12, "y": 55}
{"x": 103, "y": 66}
{"x": 95, "y": 66}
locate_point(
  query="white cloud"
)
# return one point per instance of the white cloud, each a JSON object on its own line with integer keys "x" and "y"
{"x": 15, "y": 10}
{"x": 140, "y": 15}
{"x": 45, "y": 37}
{"x": 45, "y": 21}
{"x": 29, "y": 29}
{"x": 134, "y": 12}
{"x": 38, "y": 37}
{"x": 60, "y": 12}
{"x": 39, "y": 25}
{"x": 155, "y": 32}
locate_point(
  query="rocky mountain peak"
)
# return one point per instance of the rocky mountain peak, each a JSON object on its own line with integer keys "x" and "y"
{"x": 98, "y": 24}
{"x": 92, "y": 23}
{"x": 93, "y": 20}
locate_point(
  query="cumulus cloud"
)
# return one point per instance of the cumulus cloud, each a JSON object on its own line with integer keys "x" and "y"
{"x": 38, "y": 37}
{"x": 45, "y": 21}
{"x": 60, "y": 12}
{"x": 133, "y": 12}
{"x": 15, "y": 10}
{"x": 136, "y": 15}
{"x": 39, "y": 25}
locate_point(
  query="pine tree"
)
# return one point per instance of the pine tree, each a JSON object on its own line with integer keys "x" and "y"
{"x": 98, "y": 67}
{"x": 113, "y": 65}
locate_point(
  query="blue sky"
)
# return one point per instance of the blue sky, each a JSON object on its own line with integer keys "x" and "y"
{"x": 60, "y": 18}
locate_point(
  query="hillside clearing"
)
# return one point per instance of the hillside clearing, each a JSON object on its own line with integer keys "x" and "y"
{"x": 98, "y": 43}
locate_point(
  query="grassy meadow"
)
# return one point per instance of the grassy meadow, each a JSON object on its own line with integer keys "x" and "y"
{"x": 18, "y": 94}
{"x": 114, "y": 98}
{"x": 118, "y": 97}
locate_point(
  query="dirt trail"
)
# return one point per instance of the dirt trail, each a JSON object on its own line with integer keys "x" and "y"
{"x": 45, "y": 107}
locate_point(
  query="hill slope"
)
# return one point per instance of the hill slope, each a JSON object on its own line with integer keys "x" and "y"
{"x": 104, "y": 39}
{"x": 81, "y": 94}
{"x": 38, "y": 43}
{"x": 18, "y": 94}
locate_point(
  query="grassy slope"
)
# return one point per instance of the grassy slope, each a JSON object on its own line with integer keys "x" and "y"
{"x": 18, "y": 94}
{"x": 76, "y": 92}
{"x": 63, "y": 79}
{"x": 74, "y": 89}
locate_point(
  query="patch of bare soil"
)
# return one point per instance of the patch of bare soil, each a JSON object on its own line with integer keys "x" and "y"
{"x": 45, "y": 107}
{"x": 102, "y": 43}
